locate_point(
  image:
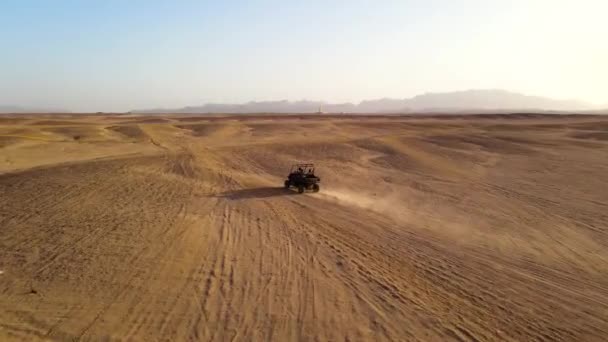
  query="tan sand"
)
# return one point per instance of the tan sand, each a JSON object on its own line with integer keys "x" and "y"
{"x": 177, "y": 228}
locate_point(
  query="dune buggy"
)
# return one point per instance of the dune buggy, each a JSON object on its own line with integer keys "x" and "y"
{"x": 302, "y": 177}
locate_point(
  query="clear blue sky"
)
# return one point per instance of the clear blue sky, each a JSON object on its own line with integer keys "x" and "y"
{"x": 115, "y": 55}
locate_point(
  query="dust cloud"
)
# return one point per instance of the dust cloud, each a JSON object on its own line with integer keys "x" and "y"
{"x": 388, "y": 205}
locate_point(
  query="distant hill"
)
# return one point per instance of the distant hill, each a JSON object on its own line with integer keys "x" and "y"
{"x": 18, "y": 110}
{"x": 603, "y": 111}
{"x": 468, "y": 101}
{"x": 260, "y": 107}
{"x": 491, "y": 99}
{"x": 474, "y": 100}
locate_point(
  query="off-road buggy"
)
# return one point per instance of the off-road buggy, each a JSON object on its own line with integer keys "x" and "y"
{"x": 302, "y": 177}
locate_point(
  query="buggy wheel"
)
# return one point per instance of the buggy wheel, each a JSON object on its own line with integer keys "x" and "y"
{"x": 315, "y": 187}
{"x": 287, "y": 184}
{"x": 300, "y": 189}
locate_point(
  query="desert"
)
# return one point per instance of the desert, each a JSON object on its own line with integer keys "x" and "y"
{"x": 426, "y": 227}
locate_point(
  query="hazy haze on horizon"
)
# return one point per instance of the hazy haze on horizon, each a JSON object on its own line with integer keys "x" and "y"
{"x": 118, "y": 55}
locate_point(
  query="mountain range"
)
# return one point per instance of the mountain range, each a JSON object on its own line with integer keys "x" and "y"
{"x": 468, "y": 100}
{"x": 471, "y": 101}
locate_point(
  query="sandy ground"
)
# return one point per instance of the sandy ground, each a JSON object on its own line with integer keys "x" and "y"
{"x": 177, "y": 228}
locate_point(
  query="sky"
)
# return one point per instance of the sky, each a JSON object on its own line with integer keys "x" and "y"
{"x": 115, "y": 55}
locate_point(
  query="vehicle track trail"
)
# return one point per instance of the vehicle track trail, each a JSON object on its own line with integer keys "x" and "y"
{"x": 432, "y": 229}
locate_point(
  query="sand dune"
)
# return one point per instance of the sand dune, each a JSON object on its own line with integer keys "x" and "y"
{"x": 464, "y": 228}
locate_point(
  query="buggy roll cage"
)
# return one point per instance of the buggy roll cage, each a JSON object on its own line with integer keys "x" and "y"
{"x": 306, "y": 167}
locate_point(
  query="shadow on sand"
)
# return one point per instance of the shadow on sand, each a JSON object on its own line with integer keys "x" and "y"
{"x": 264, "y": 192}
